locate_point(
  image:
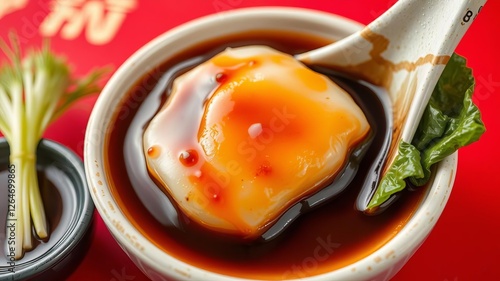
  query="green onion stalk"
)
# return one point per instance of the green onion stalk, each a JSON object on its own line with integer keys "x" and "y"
{"x": 34, "y": 91}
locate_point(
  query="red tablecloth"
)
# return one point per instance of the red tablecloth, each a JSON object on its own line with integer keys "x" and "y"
{"x": 465, "y": 245}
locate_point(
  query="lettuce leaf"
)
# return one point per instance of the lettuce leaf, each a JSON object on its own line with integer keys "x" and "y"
{"x": 407, "y": 164}
{"x": 450, "y": 121}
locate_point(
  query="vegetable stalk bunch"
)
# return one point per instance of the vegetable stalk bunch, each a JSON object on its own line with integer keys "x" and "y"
{"x": 34, "y": 91}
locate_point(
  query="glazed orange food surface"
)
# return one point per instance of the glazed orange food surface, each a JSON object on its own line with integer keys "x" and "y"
{"x": 247, "y": 134}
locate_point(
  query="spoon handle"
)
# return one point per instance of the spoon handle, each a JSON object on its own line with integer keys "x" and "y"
{"x": 411, "y": 34}
{"x": 425, "y": 34}
{"x": 412, "y": 27}
{"x": 405, "y": 51}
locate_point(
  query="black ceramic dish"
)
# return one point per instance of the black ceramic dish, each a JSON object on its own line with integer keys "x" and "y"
{"x": 70, "y": 216}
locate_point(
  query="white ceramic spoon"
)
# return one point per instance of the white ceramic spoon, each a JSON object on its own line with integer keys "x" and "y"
{"x": 405, "y": 51}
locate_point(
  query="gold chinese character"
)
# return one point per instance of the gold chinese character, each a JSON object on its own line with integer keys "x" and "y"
{"x": 9, "y": 6}
{"x": 101, "y": 19}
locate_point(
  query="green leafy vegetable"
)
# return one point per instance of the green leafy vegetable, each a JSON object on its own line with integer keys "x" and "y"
{"x": 450, "y": 121}
{"x": 34, "y": 91}
{"x": 406, "y": 164}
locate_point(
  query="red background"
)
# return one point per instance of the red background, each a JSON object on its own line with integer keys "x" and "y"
{"x": 465, "y": 244}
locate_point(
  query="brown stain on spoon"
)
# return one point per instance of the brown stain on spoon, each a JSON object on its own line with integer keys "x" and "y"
{"x": 381, "y": 71}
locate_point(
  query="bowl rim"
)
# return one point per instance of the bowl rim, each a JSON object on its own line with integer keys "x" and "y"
{"x": 135, "y": 244}
{"x": 81, "y": 220}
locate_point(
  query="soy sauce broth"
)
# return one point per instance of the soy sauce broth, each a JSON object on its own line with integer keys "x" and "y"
{"x": 324, "y": 239}
{"x": 50, "y": 186}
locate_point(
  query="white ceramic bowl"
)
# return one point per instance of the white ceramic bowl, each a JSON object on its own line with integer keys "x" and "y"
{"x": 158, "y": 265}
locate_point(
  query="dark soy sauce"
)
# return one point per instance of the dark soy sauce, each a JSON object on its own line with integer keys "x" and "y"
{"x": 321, "y": 239}
{"x": 57, "y": 195}
{"x": 50, "y": 185}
